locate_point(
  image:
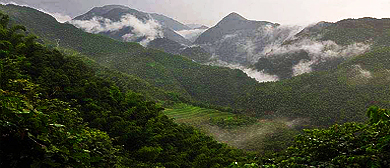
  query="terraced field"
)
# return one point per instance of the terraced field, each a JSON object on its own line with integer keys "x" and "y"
{"x": 236, "y": 130}
{"x": 183, "y": 113}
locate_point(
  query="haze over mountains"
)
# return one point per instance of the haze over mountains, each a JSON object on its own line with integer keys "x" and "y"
{"x": 113, "y": 75}
{"x": 282, "y": 53}
{"x": 261, "y": 49}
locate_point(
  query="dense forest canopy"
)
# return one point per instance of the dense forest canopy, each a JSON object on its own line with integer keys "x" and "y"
{"x": 56, "y": 112}
{"x": 95, "y": 102}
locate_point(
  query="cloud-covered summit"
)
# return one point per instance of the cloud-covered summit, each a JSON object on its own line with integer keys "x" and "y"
{"x": 147, "y": 30}
{"x": 124, "y": 23}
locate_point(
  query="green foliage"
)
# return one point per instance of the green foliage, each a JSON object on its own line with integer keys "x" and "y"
{"x": 327, "y": 97}
{"x": 347, "y": 145}
{"x": 349, "y": 31}
{"x": 184, "y": 113}
{"x": 64, "y": 111}
{"x": 57, "y": 112}
{"x": 172, "y": 73}
{"x": 377, "y": 115}
{"x": 231, "y": 122}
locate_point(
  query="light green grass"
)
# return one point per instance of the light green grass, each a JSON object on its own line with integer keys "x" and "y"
{"x": 183, "y": 113}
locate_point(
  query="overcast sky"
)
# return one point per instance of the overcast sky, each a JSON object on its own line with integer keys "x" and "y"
{"x": 209, "y": 12}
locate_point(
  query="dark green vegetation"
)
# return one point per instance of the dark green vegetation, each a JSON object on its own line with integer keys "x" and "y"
{"x": 349, "y": 31}
{"x": 347, "y": 145}
{"x": 57, "y": 112}
{"x": 336, "y": 96}
{"x": 69, "y": 111}
{"x": 282, "y": 64}
{"x": 322, "y": 98}
{"x": 197, "y": 54}
{"x": 175, "y": 74}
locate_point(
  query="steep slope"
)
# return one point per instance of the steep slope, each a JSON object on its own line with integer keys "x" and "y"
{"x": 56, "y": 112}
{"x": 328, "y": 97}
{"x": 177, "y": 74}
{"x": 117, "y": 22}
{"x": 197, "y": 26}
{"x": 349, "y": 31}
{"x": 326, "y": 44}
{"x": 194, "y": 53}
{"x": 229, "y": 25}
{"x": 233, "y": 39}
{"x": 169, "y": 22}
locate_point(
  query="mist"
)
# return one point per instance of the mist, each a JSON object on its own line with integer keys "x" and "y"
{"x": 268, "y": 36}
{"x": 191, "y": 34}
{"x": 259, "y": 76}
{"x": 318, "y": 51}
{"x": 254, "y": 137}
{"x": 148, "y": 29}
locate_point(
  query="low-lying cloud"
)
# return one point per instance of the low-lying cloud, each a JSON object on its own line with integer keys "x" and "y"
{"x": 259, "y": 76}
{"x": 148, "y": 29}
{"x": 318, "y": 51}
{"x": 62, "y": 18}
{"x": 192, "y": 34}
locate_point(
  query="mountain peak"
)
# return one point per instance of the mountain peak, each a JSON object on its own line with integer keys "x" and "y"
{"x": 234, "y": 16}
{"x": 110, "y": 7}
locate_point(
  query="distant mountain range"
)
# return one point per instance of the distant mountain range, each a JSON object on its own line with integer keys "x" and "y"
{"x": 270, "y": 48}
{"x": 178, "y": 76}
{"x": 350, "y": 57}
{"x": 117, "y": 13}
{"x": 150, "y": 29}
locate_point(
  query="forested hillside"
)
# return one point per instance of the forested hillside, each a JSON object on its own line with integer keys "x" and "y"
{"x": 328, "y": 97}
{"x": 67, "y": 110}
{"x": 320, "y": 98}
{"x": 349, "y": 31}
{"x": 57, "y": 112}
{"x": 176, "y": 74}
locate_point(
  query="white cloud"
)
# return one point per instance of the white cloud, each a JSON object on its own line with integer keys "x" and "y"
{"x": 302, "y": 67}
{"x": 318, "y": 51}
{"x": 61, "y": 17}
{"x": 149, "y": 29}
{"x": 259, "y": 76}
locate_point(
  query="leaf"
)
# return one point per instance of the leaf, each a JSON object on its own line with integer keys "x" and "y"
{"x": 25, "y": 111}
{"x": 57, "y": 125}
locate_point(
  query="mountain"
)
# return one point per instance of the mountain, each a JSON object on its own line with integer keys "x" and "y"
{"x": 287, "y": 51}
{"x": 169, "y": 22}
{"x": 197, "y": 54}
{"x": 175, "y": 74}
{"x": 167, "y": 45}
{"x": 197, "y": 26}
{"x": 326, "y": 44}
{"x": 111, "y": 12}
{"x": 118, "y": 22}
{"x": 320, "y": 98}
{"x": 231, "y": 24}
{"x": 349, "y": 31}
{"x": 233, "y": 39}
{"x": 56, "y": 111}
{"x": 194, "y": 53}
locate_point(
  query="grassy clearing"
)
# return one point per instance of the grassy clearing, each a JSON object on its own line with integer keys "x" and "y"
{"x": 183, "y": 113}
{"x": 236, "y": 130}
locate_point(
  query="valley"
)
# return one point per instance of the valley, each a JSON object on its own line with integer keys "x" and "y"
{"x": 118, "y": 87}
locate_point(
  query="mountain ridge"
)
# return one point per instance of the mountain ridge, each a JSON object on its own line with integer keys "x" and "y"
{"x": 116, "y": 12}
